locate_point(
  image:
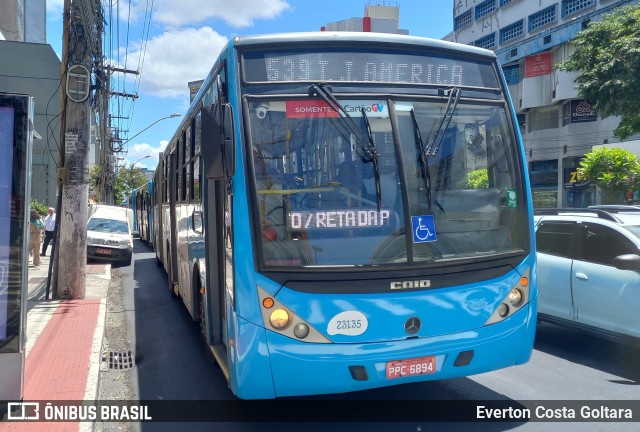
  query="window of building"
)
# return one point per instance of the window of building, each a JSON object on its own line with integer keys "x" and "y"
{"x": 504, "y": 2}
{"x": 563, "y": 53}
{"x": 484, "y": 8}
{"x": 487, "y": 42}
{"x": 542, "y": 18}
{"x": 545, "y": 165}
{"x": 462, "y": 20}
{"x": 572, "y": 6}
{"x": 511, "y": 74}
{"x": 547, "y": 119}
{"x": 512, "y": 31}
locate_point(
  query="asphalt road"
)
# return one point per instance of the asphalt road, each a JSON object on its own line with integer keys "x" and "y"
{"x": 171, "y": 363}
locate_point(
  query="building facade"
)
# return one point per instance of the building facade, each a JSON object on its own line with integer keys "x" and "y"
{"x": 34, "y": 70}
{"x": 379, "y": 17}
{"x": 530, "y": 38}
{"x": 23, "y": 20}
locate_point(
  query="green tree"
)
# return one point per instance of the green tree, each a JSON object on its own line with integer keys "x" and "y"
{"x": 38, "y": 206}
{"x": 607, "y": 59}
{"x": 478, "y": 179}
{"x": 615, "y": 170}
{"x": 127, "y": 179}
{"x": 95, "y": 179}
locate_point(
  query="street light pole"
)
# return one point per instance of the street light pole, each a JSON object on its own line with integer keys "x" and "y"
{"x": 157, "y": 121}
{"x": 143, "y": 130}
{"x": 143, "y": 157}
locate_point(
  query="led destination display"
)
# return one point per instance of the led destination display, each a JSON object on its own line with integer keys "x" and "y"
{"x": 374, "y": 66}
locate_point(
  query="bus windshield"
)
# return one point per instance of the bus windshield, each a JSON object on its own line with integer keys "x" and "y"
{"x": 322, "y": 201}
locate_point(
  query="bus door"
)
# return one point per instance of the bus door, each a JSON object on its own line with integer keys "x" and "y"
{"x": 171, "y": 243}
{"x": 219, "y": 251}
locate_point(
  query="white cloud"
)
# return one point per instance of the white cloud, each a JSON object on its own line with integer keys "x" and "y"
{"x": 141, "y": 150}
{"x": 174, "y": 58}
{"x": 55, "y": 6}
{"x": 236, "y": 13}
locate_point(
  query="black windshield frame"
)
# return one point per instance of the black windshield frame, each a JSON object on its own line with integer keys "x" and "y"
{"x": 411, "y": 265}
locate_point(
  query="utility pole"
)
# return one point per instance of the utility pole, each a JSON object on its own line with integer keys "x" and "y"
{"x": 78, "y": 48}
{"x": 107, "y": 185}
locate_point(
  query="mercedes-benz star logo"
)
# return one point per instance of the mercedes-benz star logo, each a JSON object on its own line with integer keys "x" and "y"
{"x": 412, "y": 325}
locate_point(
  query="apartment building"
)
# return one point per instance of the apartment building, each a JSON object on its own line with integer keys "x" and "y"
{"x": 530, "y": 38}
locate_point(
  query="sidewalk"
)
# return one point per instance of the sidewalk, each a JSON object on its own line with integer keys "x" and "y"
{"x": 63, "y": 347}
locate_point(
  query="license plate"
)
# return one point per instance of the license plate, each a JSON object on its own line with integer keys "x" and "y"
{"x": 102, "y": 251}
{"x": 411, "y": 367}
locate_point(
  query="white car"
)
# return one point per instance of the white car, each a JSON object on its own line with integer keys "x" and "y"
{"x": 588, "y": 270}
{"x": 109, "y": 237}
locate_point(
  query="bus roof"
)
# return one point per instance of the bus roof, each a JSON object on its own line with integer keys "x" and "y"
{"x": 358, "y": 37}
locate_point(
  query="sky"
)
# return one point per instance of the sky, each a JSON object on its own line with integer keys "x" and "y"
{"x": 179, "y": 40}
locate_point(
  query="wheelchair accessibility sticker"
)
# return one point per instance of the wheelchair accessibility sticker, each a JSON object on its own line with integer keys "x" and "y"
{"x": 424, "y": 229}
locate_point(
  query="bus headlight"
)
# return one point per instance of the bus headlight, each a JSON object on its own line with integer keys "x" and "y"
{"x": 503, "y": 310}
{"x": 516, "y": 298}
{"x": 279, "y": 319}
{"x": 301, "y": 330}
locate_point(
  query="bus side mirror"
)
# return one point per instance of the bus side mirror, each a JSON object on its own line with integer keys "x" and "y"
{"x": 216, "y": 138}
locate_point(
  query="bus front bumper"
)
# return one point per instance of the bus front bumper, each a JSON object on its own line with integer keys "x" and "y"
{"x": 308, "y": 368}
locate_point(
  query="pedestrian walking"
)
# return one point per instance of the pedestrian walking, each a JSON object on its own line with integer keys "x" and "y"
{"x": 35, "y": 231}
{"x": 49, "y": 230}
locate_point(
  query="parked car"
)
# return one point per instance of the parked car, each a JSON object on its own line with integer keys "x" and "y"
{"x": 100, "y": 208}
{"x": 109, "y": 235}
{"x": 589, "y": 270}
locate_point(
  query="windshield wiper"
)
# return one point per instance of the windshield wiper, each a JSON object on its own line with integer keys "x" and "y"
{"x": 366, "y": 144}
{"x": 434, "y": 146}
{"x": 424, "y": 163}
{"x": 376, "y": 170}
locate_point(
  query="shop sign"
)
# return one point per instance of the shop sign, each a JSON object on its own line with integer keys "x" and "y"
{"x": 578, "y": 111}
{"x": 536, "y": 65}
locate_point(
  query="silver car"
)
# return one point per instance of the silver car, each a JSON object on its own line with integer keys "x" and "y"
{"x": 589, "y": 270}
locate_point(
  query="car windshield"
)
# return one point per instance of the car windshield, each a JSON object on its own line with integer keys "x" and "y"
{"x": 322, "y": 202}
{"x": 108, "y": 226}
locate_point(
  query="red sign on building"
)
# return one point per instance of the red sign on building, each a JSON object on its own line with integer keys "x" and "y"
{"x": 539, "y": 64}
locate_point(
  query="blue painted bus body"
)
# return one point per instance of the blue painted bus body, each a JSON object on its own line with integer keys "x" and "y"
{"x": 461, "y": 330}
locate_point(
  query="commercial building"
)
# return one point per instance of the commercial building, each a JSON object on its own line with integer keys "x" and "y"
{"x": 379, "y": 17}
{"x": 530, "y": 38}
{"x": 33, "y": 69}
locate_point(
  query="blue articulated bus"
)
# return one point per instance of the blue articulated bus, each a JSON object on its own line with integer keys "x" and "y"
{"x": 344, "y": 211}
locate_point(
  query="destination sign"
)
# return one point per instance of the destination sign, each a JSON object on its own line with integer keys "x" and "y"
{"x": 338, "y": 219}
{"x": 369, "y": 66}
